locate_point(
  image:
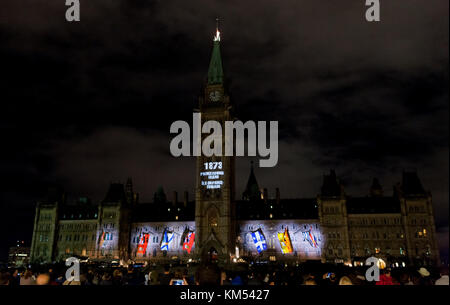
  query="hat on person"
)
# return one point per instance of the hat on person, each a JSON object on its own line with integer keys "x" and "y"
{"x": 424, "y": 272}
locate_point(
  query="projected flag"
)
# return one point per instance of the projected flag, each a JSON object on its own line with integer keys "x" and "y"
{"x": 102, "y": 239}
{"x": 285, "y": 242}
{"x": 259, "y": 240}
{"x": 166, "y": 240}
{"x": 143, "y": 242}
{"x": 311, "y": 238}
{"x": 189, "y": 241}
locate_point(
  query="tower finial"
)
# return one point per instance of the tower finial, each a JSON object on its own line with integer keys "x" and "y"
{"x": 217, "y": 37}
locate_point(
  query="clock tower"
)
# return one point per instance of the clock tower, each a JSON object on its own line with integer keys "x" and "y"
{"x": 214, "y": 196}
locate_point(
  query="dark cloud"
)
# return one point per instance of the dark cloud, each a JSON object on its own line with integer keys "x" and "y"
{"x": 87, "y": 103}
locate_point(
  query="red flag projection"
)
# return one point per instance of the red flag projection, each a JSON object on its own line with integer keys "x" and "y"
{"x": 143, "y": 242}
{"x": 189, "y": 241}
{"x": 102, "y": 239}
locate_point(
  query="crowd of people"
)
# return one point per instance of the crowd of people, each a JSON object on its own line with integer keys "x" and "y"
{"x": 212, "y": 274}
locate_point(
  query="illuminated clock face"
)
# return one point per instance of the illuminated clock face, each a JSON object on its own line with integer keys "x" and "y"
{"x": 214, "y": 96}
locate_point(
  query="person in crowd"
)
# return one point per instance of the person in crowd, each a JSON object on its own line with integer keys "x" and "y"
{"x": 266, "y": 279}
{"x": 345, "y": 280}
{"x": 96, "y": 279}
{"x": 83, "y": 279}
{"x": 328, "y": 279}
{"x": 253, "y": 279}
{"x": 237, "y": 280}
{"x": 425, "y": 279}
{"x": 310, "y": 281}
{"x": 43, "y": 279}
{"x": 443, "y": 280}
{"x": 153, "y": 277}
{"x": 273, "y": 278}
{"x": 405, "y": 279}
{"x": 224, "y": 281}
{"x": 132, "y": 277}
{"x": 165, "y": 277}
{"x": 90, "y": 276}
{"x": 293, "y": 279}
{"x": 117, "y": 278}
{"x": 178, "y": 279}
{"x": 106, "y": 279}
{"x": 188, "y": 278}
{"x": 208, "y": 274}
{"x": 15, "y": 278}
{"x": 55, "y": 278}
{"x": 4, "y": 278}
{"x": 386, "y": 278}
{"x": 27, "y": 278}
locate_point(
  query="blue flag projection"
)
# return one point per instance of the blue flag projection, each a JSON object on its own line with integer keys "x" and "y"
{"x": 167, "y": 238}
{"x": 259, "y": 240}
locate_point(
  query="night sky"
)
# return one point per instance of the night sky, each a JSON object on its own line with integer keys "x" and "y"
{"x": 88, "y": 103}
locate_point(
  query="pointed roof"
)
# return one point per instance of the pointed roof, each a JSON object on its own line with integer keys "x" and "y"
{"x": 252, "y": 191}
{"x": 115, "y": 194}
{"x": 215, "y": 71}
{"x": 376, "y": 189}
{"x": 331, "y": 186}
{"x": 411, "y": 185}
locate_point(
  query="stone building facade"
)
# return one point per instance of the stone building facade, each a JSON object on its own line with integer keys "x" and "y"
{"x": 332, "y": 227}
{"x": 398, "y": 229}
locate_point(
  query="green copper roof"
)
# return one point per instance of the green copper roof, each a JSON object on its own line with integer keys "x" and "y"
{"x": 215, "y": 71}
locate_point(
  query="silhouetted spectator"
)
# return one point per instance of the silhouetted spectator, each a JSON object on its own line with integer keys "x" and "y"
{"x": 443, "y": 280}
{"x": 165, "y": 277}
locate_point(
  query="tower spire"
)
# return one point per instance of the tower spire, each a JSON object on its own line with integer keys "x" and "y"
{"x": 217, "y": 37}
{"x": 215, "y": 71}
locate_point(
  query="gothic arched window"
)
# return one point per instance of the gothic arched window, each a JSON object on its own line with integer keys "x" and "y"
{"x": 212, "y": 218}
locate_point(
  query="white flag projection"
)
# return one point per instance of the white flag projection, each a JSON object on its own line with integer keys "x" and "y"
{"x": 166, "y": 240}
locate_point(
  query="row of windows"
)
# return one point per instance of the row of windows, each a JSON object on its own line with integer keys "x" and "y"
{"x": 415, "y": 221}
{"x": 376, "y": 235}
{"x": 146, "y": 229}
{"x": 356, "y": 251}
{"x": 334, "y": 235}
{"x": 416, "y": 209}
{"x": 45, "y": 216}
{"x": 291, "y": 227}
{"x": 108, "y": 236}
{"x": 79, "y": 216}
{"x": 41, "y": 251}
{"x": 43, "y": 237}
{"x": 78, "y": 226}
{"x": 376, "y": 221}
{"x": 76, "y": 237}
{"x": 44, "y": 227}
{"x": 155, "y": 239}
{"x": 338, "y": 252}
{"x": 82, "y": 252}
{"x": 109, "y": 215}
{"x": 108, "y": 226}
{"x": 332, "y": 210}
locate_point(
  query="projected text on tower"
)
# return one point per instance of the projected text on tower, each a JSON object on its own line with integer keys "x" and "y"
{"x": 211, "y": 177}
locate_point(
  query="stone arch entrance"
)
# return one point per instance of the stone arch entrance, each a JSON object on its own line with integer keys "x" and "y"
{"x": 212, "y": 251}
